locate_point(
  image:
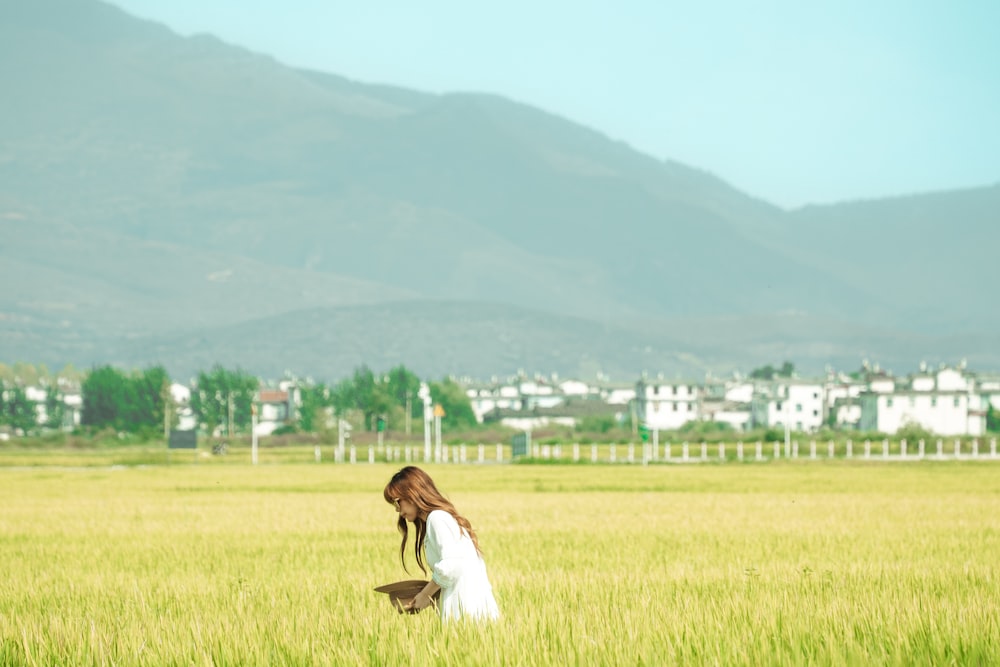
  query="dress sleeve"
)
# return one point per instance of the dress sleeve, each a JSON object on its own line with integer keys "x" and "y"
{"x": 447, "y": 534}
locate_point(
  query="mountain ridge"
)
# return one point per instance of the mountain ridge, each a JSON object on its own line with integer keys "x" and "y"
{"x": 152, "y": 186}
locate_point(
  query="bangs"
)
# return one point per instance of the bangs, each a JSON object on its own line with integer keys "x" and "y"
{"x": 390, "y": 493}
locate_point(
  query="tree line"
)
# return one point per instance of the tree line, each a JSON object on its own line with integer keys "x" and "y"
{"x": 222, "y": 400}
{"x": 140, "y": 401}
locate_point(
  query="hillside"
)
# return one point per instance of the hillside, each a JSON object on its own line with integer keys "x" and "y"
{"x": 157, "y": 190}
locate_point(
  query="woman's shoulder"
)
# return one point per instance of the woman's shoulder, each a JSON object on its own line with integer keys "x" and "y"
{"x": 441, "y": 523}
{"x": 440, "y": 516}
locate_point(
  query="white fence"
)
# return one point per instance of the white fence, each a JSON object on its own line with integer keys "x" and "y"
{"x": 682, "y": 452}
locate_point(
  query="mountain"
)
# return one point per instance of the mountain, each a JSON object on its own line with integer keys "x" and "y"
{"x": 185, "y": 201}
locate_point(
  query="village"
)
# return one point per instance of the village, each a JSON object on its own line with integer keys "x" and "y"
{"x": 945, "y": 401}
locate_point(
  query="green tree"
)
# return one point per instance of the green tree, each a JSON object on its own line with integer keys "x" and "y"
{"x": 769, "y": 372}
{"x": 70, "y": 373}
{"x": 126, "y": 402}
{"x": 26, "y": 373}
{"x": 596, "y": 424}
{"x": 992, "y": 419}
{"x": 913, "y": 432}
{"x": 17, "y": 411}
{"x": 763, "y": 373}
{"x": 455, "y": 402}
{"x": 220, "y": 394}
{"x": 316, "y": 400}
{"x": 55, "y": 407}
{"x": 342, "y": 397}
{"x": 403, "y": 387}
{"x": 103, "y": 394}
{"x": 371, "y": 396}
{"x": 144, "y": 400}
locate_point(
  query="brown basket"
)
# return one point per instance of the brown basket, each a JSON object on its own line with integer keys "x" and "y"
{"x": 401, "y": 593}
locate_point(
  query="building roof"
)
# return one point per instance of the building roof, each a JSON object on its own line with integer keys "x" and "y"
{"x": 273, "y": 396}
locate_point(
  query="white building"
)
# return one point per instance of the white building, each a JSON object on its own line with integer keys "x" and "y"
{"x": 664, "y": 406}
{"x": 524, "y": 395}
{"x": 843, "y": 399}
{"x": 736, "y": 415}
{"x": 489, "y": 399}
{"x": 944, "y": 403}
{"x": 989, "y": 388}
{"x": 800, "y": 405}
{"x": 739, "y": 391}
{"x": 574, "y": 388}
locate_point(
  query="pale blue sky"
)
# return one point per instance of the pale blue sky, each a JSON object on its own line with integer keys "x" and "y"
{"x": 791, "y": 101}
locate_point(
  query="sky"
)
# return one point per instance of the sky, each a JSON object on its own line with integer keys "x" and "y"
{"x": 789, "y": 101}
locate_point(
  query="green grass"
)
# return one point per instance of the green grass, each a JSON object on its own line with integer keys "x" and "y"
{"x": 786, "y": 563}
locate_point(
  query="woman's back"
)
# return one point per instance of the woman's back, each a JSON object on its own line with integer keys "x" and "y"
{"x": 459, "y": 569}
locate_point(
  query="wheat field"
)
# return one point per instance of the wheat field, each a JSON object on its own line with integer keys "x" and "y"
{"x": 822, "y": 563}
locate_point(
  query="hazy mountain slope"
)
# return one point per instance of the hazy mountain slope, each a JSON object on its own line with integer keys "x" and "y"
{"x": 193, "y": 141}
{"x": 935, "y": 255}
{"x": 183, "y": 198}
{"x": 58, "y": 268}
{"x": 433, "y": 338}
{"x": 482, "y": 340}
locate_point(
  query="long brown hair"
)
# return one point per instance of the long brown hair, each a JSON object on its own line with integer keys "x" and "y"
{"x": 413, "y": 484}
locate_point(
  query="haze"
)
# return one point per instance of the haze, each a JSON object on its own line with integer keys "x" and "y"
{"x": 791, "y": 102}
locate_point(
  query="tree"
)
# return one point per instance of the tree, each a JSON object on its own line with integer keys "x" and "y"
{"x": 769, "y": 372}
{"x": 342, "y": 397}
{"x": 26, "y": 373}
{"x": 55, "y": 407}
{"x": 596, "y": 424}
{"x": 371, "y": 396}
{"x": 224, "y": 397}
{"x": 144, "y": 400}
{"x": 403, "y": 386}
{"x": 763, "y": 373}
{"x": 457, "y": 407}
{"x": 103, "y": 395}
{"x": 70, "y": 373}
{"x": 992, "y": 419}
{"x": 17, "y": 411}
{"x": 132, "y": 403}
{"x": 316, "y": 400}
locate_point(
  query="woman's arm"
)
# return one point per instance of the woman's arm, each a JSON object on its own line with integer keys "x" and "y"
{"x": 424, "y": 598}
{"x": 447, "y": 536}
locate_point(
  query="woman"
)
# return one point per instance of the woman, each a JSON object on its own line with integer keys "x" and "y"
{"x": 446, "y": 541}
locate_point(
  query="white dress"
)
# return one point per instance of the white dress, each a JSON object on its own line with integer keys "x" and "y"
{"x": 458, "y": 569}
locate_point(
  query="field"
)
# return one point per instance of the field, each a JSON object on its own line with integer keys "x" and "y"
{"x": 788, "y": 562}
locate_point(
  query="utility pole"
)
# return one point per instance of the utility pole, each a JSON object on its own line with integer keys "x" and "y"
{"x": 253, "y": 433}
{"x": 409, "y": 409}
{"x": 788, "y": 417}
{"x": 167, "y": 401}
{"x": 438, "y": 452}
{"x": 425, "y": 395}
{"x": 343, "y": 433}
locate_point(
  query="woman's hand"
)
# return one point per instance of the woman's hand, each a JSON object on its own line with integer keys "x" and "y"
{"x": 419, "y": 603}
{"x": 423, "y": 599}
